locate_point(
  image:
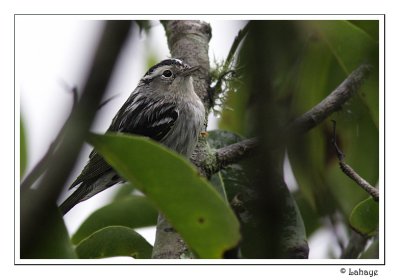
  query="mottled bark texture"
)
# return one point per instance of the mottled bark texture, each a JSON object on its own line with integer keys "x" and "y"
{"x": 312, "y": 118}
{"x": 187, "y": 40}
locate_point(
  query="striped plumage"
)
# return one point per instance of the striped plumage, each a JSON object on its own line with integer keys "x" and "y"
{"x": 163, "y": 107}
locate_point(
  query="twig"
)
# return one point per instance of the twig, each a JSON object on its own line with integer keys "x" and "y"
{"x": 39, "y": 168}
{"x": 238, "y": 39}
{"x": 75, "y": 95}
{"x": 374, "y": 192}
{"x": 42, "y": 165}
{"x": 226, "y": 67}
{"x": 73, "y": 90}
{"x": 333, "y": 102}
{"x": 35, "y": 211}
{"x": 216, "y": 89}
{"x": 231, "y": 154}
{"x": 105, "y": 102}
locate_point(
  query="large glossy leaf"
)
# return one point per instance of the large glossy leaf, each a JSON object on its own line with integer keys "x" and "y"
{"x": 124, "y": 191}
{"x": 114, "y": 241}
{"x": 218, "y": 183}
{"x": 365, "y": 217}
{"x": 370, "y": 27}
{"x": 350, "y": 44}
{"x": 189, "y": 202}
{"x": 131, "y": 211}
{"x": 353, "y": 43}
{"x": 22, "y": 148}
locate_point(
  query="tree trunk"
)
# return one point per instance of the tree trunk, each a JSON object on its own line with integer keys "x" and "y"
{"x": 187, "y": 40}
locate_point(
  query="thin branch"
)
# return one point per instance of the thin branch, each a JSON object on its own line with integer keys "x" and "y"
{"x": 75, "y": 95}
{"x": 232, "y": 153}
{"x": 35, "y": 210}
{"x": 235, "y": 45}
{"x": 349, "y": 171}
{"x": 73, "y": 90}
{"x": 333, "y": 102}
{"x": 42, "y": 165}
{"x": 105, "y": 102}
{"x": 39, "y": 168}
{"x": 227, "y": 64}
{"x": 222, "y": 78}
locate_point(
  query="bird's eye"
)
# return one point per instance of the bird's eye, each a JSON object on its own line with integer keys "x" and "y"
{"x": 167, "y": 73}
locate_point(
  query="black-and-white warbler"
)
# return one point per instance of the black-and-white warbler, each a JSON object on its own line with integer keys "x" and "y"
{"x": 164, "y": 107}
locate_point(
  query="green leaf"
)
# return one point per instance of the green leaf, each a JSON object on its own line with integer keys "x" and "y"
{"x": 190, "y": 203}
{"x": 132, "y": 212}
{"x": 22, "y": 148}
{"x": 353, "y": 43}
{"x": 124, "y": 191}
{"x": 336, "y": 48}
{"x": 229, "y": 180}
{"x": 218, "y": 183}
{"x": 114, "y": 241}
{"x": 350, "y": 44}
{"x": 370, "y": 27}
{"x": 365, "y": 217}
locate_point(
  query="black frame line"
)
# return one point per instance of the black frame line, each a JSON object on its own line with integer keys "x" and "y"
{"x": 224, "y": 264}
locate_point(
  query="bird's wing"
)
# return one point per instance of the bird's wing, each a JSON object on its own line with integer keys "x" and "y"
{"x": 144, "y": 116}
{"x": 141, "y": 116}
{"x": 95, "y": 167}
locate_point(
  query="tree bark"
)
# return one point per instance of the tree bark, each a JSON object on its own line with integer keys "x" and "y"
{"x": 302, "y": 124}
{"x": 187, "y": 40}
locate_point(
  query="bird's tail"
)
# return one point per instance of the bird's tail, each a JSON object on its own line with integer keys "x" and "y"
{"x": 76, "y": 197}
{"x": 89, "y": 188}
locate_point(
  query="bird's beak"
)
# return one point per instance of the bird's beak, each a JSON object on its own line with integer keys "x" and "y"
{"x": 190, "y": 70}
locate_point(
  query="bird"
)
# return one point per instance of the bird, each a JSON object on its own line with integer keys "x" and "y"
{"x": 164, "y": 107}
